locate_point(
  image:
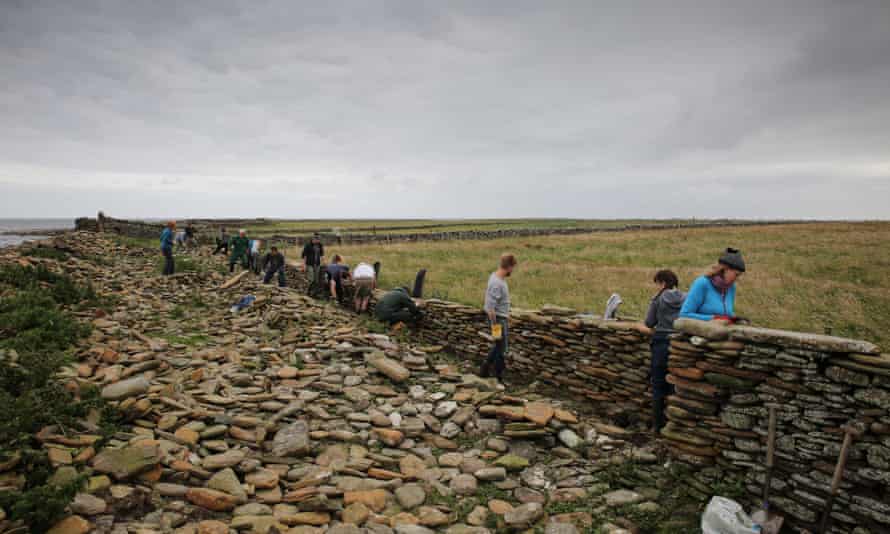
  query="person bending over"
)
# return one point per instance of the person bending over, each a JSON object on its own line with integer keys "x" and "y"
{"x": 365, "y": 281}
{"x": 337, "y": 273}
{"x": 712, "y": 295}
{"x": 397, "y": 306}
{"x": 663, "y": 310}
{"x": 273, "y": 264}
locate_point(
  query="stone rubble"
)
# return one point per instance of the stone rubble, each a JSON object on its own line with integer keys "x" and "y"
{"x": 291, "y": 416}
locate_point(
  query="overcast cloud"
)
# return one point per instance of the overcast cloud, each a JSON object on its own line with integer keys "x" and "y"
{"x": 445, "y": 109}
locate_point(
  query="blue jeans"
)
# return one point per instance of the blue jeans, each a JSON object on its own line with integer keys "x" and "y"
{"x": 496, "y": 360}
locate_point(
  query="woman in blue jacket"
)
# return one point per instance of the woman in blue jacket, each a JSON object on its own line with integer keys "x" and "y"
{"x": 712, "y": 295}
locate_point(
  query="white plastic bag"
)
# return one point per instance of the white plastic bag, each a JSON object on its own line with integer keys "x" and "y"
{"x": 725, "y": 516}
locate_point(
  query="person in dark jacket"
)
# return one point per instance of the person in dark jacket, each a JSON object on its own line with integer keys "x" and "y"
{"x": 167, "y": 248}
{"x": 313, "y": 256}
{"x": 397, "y": 306}
{"x": 663, "y": 310}
{"x": 222, "y": 242}
{"x": 273, "y": 264}
{"x": 240, "y": 247}
{"x": 336, "y": 273}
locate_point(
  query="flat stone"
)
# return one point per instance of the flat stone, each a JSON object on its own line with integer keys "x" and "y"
{"x": 130, "y": 387}
{"x": 410, "y": 496}
{"x": 126, "y": 461}
{"x": 785, "y": 338}
{"x": 71, "y": 525}
{"x": 227, "y": 481}
{"x": 373, "y": 499}
{"x": 356, "y": 513}
{"x": 227, "y": 459}
{"x": 622, "y": 497}
{"x": 539, "y": 413}
{"x": 212, "y": 526}
{"x": 463, "y": 484}
{"x": 211, "y": 499}
{"x": 391, "y": 368}
{"x": 292, "y": 440}
{"x": 86, "y": 504}
{"x": 491, "y": 474}
{"x": 512, "y": 462}
{"x": 524, "y": 515}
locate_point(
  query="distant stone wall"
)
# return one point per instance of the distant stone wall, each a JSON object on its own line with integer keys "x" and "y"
{"x": 724, "y": 377}
{"x": 207, "y": 230}
{"x": 386, "y": 238}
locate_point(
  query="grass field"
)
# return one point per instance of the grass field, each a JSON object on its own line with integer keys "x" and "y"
{"x": 409, "y": 226}
{"x": 802, "y": 277}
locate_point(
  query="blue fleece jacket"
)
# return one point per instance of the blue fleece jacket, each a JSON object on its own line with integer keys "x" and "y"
{"x": 704, "y": 301}
{"x": 167, "y": 239}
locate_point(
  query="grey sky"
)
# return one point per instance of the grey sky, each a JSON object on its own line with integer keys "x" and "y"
{"x": 445, "y": 109}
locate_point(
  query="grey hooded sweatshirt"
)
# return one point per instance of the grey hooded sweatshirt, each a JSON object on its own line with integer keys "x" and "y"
{"x": 664, "y": 309}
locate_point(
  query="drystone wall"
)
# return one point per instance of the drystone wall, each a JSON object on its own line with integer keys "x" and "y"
{"x": 385, "y": 238}
{"x": 724, "y": 378}
{"x": 207, "y": 230}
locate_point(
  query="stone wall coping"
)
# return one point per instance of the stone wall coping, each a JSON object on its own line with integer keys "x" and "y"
{"x": 786, "y": 338}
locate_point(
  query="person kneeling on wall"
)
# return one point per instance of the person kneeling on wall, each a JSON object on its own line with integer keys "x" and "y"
{"x": 397, "y": 306}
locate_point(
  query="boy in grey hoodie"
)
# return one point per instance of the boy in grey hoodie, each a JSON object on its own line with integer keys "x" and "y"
{"x": 663, "y": 310}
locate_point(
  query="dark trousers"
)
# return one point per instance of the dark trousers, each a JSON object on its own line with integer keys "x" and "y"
{"x": 496, "y": 360}
{"x": 221, "y": 245}
{"x": 404, "y": 316}
{"x": 660, "y": 388}
{"x": 234, "y": 259}
{"x": 168, "y": 262}
{"x": 271, "y": 272}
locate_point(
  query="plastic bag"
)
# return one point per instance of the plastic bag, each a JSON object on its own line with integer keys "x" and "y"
{"x": 725, "y": 516}
{"x": 245, "y": 302}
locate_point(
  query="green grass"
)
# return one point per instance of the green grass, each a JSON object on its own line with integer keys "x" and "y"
{"x": 811, "y": 278}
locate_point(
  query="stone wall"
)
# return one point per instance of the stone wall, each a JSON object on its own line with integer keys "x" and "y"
{"x": 385, "y": 238}
{"x": 724, "y": 378}
{"x": 207, "y": 230}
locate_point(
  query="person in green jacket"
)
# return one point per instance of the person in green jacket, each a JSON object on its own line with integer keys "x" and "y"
{"x": 397, "y": 306}
{"x": 239, "y": 247}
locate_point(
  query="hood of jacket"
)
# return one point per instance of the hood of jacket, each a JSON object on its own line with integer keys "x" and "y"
{"x": 673, "y": 298}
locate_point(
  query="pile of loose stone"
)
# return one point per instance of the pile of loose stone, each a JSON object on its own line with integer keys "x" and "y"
{"x": 726, "y": 378}
{"x": 291, "y": 416}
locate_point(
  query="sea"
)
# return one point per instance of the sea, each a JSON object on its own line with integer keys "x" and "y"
{"x": 15, "y": 231}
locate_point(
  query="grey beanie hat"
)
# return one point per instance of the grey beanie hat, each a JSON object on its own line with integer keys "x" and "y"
{"x": 732, "y": 258}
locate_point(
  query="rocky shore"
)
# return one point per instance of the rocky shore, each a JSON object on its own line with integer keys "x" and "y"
{"x": 296, "y": 416}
